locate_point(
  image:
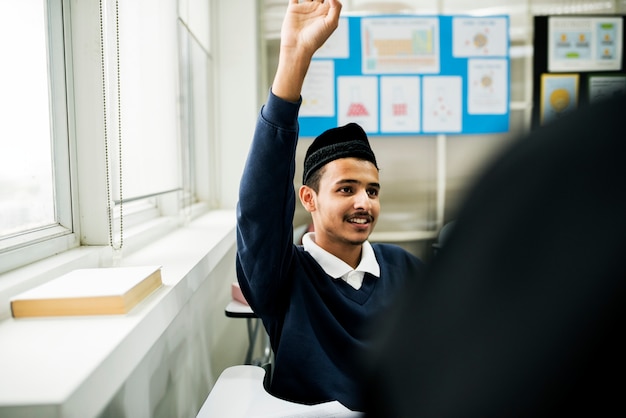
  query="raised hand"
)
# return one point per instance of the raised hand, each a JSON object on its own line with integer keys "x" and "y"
{"x": 306, "y": 27}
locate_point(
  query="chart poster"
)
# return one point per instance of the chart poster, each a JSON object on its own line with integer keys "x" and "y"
{"x": 400, "y": 45}
{"x": 584, "y": 44}
{"x": 410, "y": 75}
{"x": 559, "y": 95}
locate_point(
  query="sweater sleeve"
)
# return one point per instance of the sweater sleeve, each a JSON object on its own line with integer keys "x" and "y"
{"x": 266, "y": 207}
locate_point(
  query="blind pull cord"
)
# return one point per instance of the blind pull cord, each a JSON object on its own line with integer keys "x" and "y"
{"x": 115, "y": 246}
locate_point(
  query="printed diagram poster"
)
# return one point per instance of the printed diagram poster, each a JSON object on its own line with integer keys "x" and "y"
{"x": 604, "y": 86}
{"x": 559, "y": 95}
{"x": 399, "y": 104}
{"x": 584, "y": 44}
{"x": 474, "y": 37}
{"x": 443, "y": 108}
{"x": 318, "y": 90}
{"x": 358, "y": 102}
{"x": 400, "y": 45}
{"x": 487, "y": 86}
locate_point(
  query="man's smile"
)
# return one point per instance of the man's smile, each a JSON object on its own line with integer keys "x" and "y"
{"x": 360, "y": 219}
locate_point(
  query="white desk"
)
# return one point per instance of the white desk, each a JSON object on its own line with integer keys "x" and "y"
{"x": 236, "y": 309}
{"x": 239, "y": 393}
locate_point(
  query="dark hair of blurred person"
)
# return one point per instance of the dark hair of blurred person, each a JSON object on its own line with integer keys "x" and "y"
{"x": 522, "y": 312}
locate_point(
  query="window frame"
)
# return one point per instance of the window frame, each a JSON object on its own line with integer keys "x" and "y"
{"x": 75, "y": 136}
{"x": 28, "y": 246}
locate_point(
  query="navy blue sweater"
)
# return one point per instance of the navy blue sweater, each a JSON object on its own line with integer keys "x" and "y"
{"x": 318, "y": 326}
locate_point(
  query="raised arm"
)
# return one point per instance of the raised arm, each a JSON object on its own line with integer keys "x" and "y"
{"x": 266, "y": 193}
{"x": 305, "y": 28}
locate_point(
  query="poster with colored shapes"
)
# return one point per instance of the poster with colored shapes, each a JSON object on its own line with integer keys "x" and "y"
{"x": 400, "y": 104}
{"x": 487, "y": 87}
{"x": 443, "y": 104}
{"x": 584, "y": 44}
{"x": 358, "y": 102}
{"x": 559, "y": 95}
{"x": 480, "y": 37}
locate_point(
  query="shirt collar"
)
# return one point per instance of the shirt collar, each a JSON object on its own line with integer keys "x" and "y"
{"x": 335, "y": 267}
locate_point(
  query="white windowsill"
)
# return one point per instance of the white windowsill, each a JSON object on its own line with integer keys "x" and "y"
{"x": 72, "y": 366}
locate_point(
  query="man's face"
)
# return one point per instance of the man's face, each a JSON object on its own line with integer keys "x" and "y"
{"x": 347, "y": 205}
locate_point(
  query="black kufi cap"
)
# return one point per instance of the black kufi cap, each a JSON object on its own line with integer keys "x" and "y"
{"x": 342, "y": 142}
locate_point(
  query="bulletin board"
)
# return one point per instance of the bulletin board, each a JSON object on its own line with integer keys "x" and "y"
{"x": 411, "y": 75}
{"x": 578, "y": 60}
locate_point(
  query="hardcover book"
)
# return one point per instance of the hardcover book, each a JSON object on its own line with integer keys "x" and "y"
{"x": 92, "y": 291}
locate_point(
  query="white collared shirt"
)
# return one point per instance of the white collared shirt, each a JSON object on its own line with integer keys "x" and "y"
{"x": 339, "y": 269}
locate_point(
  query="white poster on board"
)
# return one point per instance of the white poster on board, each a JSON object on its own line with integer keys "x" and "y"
{"x": 487, "y": 87}
{"x": 480, "y": 36}
{"x": 443, "y": 104}
{"x": 357, "y": 102}
{"x": 318, "y": 89}
{"x": 399, "y": 104}
{"x": 400, "y": 45}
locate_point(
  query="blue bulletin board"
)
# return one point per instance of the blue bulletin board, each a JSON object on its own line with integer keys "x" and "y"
{"x": 411, "y": 75}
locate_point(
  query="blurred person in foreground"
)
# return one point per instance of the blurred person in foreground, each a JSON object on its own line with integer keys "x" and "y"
{"x": 522, "y": 312}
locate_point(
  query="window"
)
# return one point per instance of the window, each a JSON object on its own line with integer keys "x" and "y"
{"x": 197, "y": 134}
{"x": 158, "y": 97}
{"x": 35, "y": 203}
{"x": 105, "y": 122}
{"x": 25, "y": 161}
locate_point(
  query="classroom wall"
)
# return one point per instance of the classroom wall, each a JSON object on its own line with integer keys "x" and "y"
{"x": 237, "y": 87}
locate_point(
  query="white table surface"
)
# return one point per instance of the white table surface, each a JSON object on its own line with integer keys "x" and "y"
{"x": 239, "y": 393}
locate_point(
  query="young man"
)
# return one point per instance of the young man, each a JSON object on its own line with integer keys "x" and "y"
{"x": 317, "y": 301}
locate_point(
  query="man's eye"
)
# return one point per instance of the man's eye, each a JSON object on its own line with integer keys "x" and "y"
{"x": 372, "y": 192}
{"x": 345, "y": 189}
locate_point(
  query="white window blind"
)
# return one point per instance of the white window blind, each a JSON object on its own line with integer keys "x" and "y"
{"x": 147, "y": 66}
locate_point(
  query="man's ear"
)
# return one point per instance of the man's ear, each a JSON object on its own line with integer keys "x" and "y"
{"x": 307, "y": 197}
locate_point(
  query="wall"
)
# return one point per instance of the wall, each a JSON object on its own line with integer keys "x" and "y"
{"x": 238, "y": 90}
